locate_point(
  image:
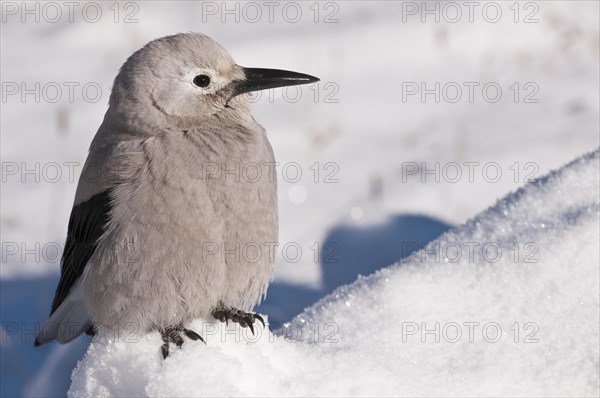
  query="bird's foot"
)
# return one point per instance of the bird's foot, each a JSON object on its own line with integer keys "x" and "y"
{"x": 245, "y": 319}
{"x": 173, "y": 335}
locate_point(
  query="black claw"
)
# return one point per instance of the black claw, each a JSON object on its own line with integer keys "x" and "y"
{"x": 260, "y": 318}
{"x": 191, "y": 334}
{"x": 251, "y": 328}
{"x": 165, "y": 350}
{"x": 221, "y": 316}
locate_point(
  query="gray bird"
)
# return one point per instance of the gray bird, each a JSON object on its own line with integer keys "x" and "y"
{"x": 175, "y": 215}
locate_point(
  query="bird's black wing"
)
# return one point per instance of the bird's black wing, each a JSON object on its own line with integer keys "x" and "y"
{"x": 86, "y": 225}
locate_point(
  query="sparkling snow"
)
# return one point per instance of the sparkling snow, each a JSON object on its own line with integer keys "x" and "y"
{"x": 515, "y": 323}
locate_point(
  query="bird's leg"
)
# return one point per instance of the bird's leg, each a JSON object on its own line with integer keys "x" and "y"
{"x": 245, "y": 319}
{"x": 173, "y": 335}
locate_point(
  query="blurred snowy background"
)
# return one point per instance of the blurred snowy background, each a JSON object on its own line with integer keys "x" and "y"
{"x": 499, "y": 92}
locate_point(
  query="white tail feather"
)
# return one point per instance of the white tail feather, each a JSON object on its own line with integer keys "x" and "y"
{"x": 68, "y": 321}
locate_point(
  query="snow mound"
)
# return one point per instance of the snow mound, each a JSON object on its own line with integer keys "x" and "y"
{"x": 507, "y": 304}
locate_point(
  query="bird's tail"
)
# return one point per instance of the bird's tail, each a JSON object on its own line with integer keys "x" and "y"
{"x": 68, "y": 321}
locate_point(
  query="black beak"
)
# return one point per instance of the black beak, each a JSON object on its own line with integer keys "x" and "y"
{"x": 261, "y": 79}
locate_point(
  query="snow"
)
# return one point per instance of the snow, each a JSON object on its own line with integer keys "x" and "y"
{"x": 369, "y": 134}
{"x": 509, "y": 324}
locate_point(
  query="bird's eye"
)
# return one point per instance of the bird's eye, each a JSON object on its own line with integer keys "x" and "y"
{"x": 202, "y": 81}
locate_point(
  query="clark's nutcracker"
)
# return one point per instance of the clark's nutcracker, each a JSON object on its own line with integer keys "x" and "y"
{"x": 175, "y": 215}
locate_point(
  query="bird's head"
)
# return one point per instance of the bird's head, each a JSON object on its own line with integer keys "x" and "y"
{"x": 188, "y": 77}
